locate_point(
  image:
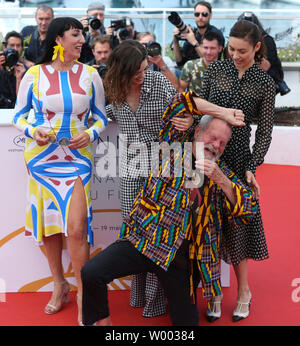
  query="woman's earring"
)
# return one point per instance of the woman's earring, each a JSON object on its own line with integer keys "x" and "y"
{"x": 59, "y": 48}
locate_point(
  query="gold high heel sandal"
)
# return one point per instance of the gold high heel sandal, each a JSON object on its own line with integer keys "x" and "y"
{"x": 51, "y": 309}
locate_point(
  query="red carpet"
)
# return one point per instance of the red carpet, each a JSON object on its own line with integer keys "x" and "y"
{"x": 270, "y": 280}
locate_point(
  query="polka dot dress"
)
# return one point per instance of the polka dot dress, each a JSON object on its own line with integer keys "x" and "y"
{"x": 254, "y": 94}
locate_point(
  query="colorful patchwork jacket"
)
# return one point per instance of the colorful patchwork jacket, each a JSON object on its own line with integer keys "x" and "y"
{"x": 161, "y": 216}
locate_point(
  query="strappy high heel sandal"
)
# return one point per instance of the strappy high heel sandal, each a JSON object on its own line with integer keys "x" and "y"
{"x": 79, "y": 306}
{"x": 50, "y": 308}
{"x": 238, "y": 315}
{"x": 213, "y": 311}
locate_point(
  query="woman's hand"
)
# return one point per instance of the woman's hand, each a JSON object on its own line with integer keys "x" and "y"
{"x": 41, "y": 137}
{"x": 251, "y": 181}
{"x": 183, "y": 124}
{"x": 81, "y": 140}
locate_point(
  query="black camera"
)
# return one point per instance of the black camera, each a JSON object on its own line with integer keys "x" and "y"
{"x": 175, "y": 19}
{"x": 94, "y": 23}
{"x": 6, "y": 103}
{"x": 120, "y": 26}
{"x": 102, "y": 69}
{"x": 153, "y": 48}
{"x": 282, "y": 88}
{"x": 247, "y": 16}
{"x": 125, "y": 34}
{"x": 11, "y": 57}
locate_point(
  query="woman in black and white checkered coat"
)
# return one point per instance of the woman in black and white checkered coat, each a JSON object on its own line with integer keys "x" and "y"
{"x": 137, "y": 99}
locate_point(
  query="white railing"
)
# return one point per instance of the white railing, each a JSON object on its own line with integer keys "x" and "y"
{"x": 284, "y": 24}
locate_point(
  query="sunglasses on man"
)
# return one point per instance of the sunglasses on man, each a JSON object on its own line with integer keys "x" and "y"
{"x": 204, "y": 14}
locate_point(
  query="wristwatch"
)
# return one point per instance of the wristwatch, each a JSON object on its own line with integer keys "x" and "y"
{"x": 164, "y": 68}
{"x": 196, "y": 45}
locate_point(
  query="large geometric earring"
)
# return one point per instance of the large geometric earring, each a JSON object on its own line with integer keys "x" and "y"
{"x": 59, "y": 48}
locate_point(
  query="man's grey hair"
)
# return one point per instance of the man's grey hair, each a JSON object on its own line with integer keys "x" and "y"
{"x": 45, "y": 8}
{"x": 206, "y": 120}
{"x": 143, "y": 34}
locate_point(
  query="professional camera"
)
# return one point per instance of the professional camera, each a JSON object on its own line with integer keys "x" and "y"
{"x": 102, "y": 69}
{"x": 282, "y": 88}
{"x": 153, "y": 48}
{"x": 175, "y": 19}
{"x": 94, "y": 23}
{"x": 11, "y": 57}
{"x": 247, "y": 16}
{"x": 120, "y": 26}
{"x": 6, "y": 103}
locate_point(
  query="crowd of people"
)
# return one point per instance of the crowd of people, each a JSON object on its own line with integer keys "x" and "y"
{"x": 76, "y": 75}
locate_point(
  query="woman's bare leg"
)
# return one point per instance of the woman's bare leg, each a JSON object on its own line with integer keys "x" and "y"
{"x": 77, "y": 236}
{"x": 53, "y": 246}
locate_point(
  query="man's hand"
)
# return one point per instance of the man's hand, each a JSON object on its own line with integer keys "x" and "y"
{"x": 19, "y": 70}
{"x": 85, "y": 23}
{"x": 234, "y": 117}
{"x": 183, "y": 124}
{"x": 81, "y": 140}
{"x": 41, "y": 137}
{"x": 175, "y": 33}
{"x": 157, "y": 60}
{"x": 2, "y": 59}
{"x": 213, "y": 172}
{"x": 210, "y": 169}
{"x": 251, "y": 181}
{"x": 189, "y": 36}
{"x": 109, "y": 30}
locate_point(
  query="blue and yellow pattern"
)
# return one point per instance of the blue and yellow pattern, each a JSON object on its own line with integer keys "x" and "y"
{"x": 62, "y": 104}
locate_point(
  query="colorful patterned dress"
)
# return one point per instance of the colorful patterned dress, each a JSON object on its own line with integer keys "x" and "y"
{"x": 62, "y": 102}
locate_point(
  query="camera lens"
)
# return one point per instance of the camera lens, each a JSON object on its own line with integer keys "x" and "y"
{"x": 124, "y": 34}
{"x": 94, "y": 23}
{"x": 175, "y": 19}
{"x": 11, "y": 57}
{"x": 153, "y": 48}
{"x": 102, "y": 69}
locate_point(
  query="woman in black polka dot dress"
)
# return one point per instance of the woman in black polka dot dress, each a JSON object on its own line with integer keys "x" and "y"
{"x": 240, "y": 83}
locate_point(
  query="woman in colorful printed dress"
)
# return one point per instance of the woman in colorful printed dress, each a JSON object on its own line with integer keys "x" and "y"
{"x": 58, "y": 151}
{"x": 240, "y": 83}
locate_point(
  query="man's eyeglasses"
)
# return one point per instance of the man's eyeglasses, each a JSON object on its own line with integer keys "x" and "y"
{"x": 204, "y": 14}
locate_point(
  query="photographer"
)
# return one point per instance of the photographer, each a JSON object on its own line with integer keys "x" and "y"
{"x": 34, "y": 35}
{"x": 156, "y": 62}
{"x": 93, "y": 25}
{"x": 121, "y": 30}
{"x": 12, "y": 69}
{"x": 102, "y": 48}
{"x": 191, "y": 48}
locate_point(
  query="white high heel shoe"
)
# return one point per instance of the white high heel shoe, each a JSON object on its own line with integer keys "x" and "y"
{"x": 238, "y": 315}
{"x": 213, "y": 311}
